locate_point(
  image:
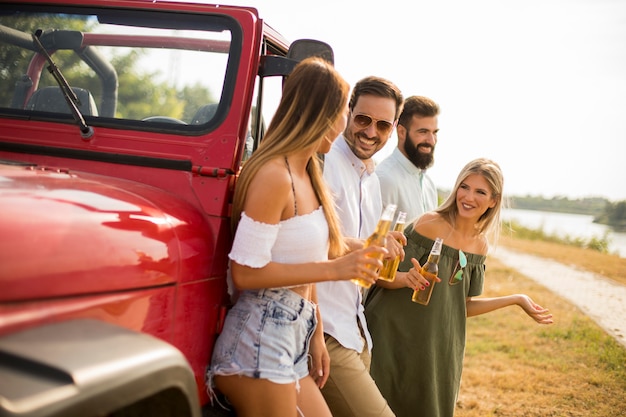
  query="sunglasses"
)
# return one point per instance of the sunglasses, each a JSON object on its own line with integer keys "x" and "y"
{"x": 363, "y": 121}
{"x": 457, "y": 272}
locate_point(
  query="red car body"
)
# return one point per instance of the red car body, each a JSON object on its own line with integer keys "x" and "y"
{"x": 126, "y": 225}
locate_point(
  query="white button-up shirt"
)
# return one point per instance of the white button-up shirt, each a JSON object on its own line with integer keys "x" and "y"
{"x": 356, "y": 191}
{"x": 405, "y": 185}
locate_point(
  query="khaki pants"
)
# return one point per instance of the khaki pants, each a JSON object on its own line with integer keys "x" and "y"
{"x": 350, "y": 390}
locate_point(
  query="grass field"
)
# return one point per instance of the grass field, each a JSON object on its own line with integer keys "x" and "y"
{"x": 515, "y": 367}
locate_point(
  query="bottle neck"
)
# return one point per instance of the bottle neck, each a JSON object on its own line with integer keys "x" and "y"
{"x": 433, "y": 258}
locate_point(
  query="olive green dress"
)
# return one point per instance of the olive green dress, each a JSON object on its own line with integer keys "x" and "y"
{"x": 418, "y": 350}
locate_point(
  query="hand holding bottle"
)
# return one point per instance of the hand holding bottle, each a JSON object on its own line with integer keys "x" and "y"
{"x": 378, "y": 239}
{"x": 412, "y": 278}
{"x": 429, "y": 271}
{"x": 363, "y": 263}
{"x": 395, "y": 245}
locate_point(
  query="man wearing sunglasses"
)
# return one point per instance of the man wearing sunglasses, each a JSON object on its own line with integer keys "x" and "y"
{"x": 402, "y": 175}
{"x": 374, "y": 108}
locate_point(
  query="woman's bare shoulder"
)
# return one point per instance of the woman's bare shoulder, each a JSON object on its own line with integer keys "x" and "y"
{"x": 482, "y": 245}
{"x": 430, "y": 224}
{"x": 272, "y": 174}
{"x": 428, "y": 217}
{"x": 269, "y": 192}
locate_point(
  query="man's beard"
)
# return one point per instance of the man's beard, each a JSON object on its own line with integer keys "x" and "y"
{"x": 420, "y": 160}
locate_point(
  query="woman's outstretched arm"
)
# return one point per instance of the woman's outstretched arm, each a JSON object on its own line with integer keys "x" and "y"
{"x": 478, "y": 306}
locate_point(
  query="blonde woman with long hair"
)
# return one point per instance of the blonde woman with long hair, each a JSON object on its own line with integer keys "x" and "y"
{"x": 287, "y": 237}
{"x": 418, "y": 352}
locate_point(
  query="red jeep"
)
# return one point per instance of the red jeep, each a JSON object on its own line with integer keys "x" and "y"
{"x": 123, "y": 125}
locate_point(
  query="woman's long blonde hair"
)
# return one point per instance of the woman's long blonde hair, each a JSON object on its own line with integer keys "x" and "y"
{"x": 314, "y": 97}
{"x": 489, "y": 223}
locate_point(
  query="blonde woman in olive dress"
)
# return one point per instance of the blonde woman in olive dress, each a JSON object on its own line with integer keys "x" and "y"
{"x": 418, "y": 352}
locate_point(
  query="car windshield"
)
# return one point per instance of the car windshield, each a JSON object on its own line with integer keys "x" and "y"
{"x": 122, "y": 67}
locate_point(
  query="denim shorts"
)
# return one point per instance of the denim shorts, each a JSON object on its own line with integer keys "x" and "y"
{"x": 266, "y": 335}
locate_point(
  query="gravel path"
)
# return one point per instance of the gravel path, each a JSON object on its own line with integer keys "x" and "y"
{"x": 601, "y": 299}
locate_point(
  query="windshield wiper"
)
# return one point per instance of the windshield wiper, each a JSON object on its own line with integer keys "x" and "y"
{"x": 70, "y": 97}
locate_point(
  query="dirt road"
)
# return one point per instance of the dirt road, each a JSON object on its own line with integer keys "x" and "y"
{"x": 601, "y": 299}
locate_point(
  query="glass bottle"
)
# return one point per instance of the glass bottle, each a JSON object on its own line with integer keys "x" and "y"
{"x": 378, "y": 237}
{"x": 388, "y": 273}
{"x": 429, "y": 271}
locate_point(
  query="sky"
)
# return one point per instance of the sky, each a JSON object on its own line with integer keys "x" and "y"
{"x": 539, "y": 86}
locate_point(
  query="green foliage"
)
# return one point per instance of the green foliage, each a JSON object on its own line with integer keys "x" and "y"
{"x": 194, "y": 97}
{"x": 598, "y": 244}
{"x": 604, "y": 211}
{"x": 141, "y": 92}
{"x": 14, "y": 61}
{"x": 592, "y": 340}
{"x": 614, "y": 215}
{"x": 591, "y": 205}
{"x": 140, "y": 96}
{"x": 75, "y": 71}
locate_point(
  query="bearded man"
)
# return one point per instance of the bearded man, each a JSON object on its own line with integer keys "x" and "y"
{"x": 402, "y": 175}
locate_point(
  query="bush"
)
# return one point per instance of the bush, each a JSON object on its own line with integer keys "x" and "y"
{"x": 598, "y": 244}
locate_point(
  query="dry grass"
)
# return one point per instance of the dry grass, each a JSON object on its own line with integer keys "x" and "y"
{"x": 610, "y": 266}
{"x": 515, "y": 367}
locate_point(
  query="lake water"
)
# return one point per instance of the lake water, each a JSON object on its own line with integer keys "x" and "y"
{"x": 566, "y": 224}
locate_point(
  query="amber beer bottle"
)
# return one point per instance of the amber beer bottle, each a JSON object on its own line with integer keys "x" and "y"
{"x": 429, "y": 271}
{"x": 378, "y": 237}
{"x": 388, "y": 273}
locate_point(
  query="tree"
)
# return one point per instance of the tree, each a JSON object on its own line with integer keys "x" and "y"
{"x": 614, "y": 215}
{"x": 14, "y": 60}
{"x": 142, "y": 93}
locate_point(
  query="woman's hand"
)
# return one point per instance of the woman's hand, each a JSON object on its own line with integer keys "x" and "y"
{"x": 361, "y": 263}
{"x": 394, "y": 243}
{"x": 320, "y": 359}
{"x": 415, "y": 279}
{"x": 535, "y": 311}
{"x": 411, "y": 279}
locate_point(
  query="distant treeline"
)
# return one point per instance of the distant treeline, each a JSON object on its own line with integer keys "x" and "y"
{"x": 602, "y": 210}
{"x": 614, "y": 215}
{"x": 593, "y": 206}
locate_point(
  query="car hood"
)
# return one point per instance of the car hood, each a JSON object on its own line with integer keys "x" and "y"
{"x": 67, "y": 233}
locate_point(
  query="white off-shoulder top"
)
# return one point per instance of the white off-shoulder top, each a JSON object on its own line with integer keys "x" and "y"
{"x": 299, "y": 239}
